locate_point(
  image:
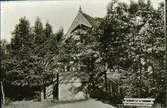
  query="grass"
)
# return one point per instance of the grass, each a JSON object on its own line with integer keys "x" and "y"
{"x": 91, "y": 103}
{"x": 27, "y": 104}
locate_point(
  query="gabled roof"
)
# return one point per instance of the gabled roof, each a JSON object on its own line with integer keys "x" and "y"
{"x": 95, "y": 22}
{"x": 83, "y": 19}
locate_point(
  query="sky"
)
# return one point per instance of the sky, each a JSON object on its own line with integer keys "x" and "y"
{"x": 59, "y": 13}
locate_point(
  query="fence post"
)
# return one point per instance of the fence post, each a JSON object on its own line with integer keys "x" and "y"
{"x": 57, "y": 86}
{"x": 105, "y": 77}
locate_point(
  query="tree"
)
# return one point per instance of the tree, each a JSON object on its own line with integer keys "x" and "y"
{"x": 4, "y": 56}
{"x": 112, "y": 39}
{"x": 4, "y": 59}
{"x": 130, "y": 41}
{"x": 45, "y": 52}
{"x": 31, "y": 57}
{"x": 146, "y": 43}
{"x": 20, "y": 54}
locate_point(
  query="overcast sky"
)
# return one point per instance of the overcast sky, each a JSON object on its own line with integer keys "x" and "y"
{"x": 59, "y": 13}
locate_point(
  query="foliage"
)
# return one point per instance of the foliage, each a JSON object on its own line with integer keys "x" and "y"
{"x": 128, "y": 43}
{"x": 144, "y": 50}
{"x": 29, "y": 58}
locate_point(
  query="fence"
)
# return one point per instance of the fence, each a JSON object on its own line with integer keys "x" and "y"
{"x": 71, "y": 89}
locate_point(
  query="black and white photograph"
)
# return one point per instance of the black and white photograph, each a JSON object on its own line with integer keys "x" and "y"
{"x": 83, "y": 54}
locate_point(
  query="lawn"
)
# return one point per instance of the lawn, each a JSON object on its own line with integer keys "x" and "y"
{"x": 91, "y": 103}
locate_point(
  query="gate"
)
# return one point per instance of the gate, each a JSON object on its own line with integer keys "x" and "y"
{"x": 65, "y": 90}
{"x": 69, "y": 88}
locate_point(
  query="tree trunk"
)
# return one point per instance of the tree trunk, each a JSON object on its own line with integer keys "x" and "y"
{"x": 140, "y": 70}
{"x": 105, "y": 77}
{"x": 3, "y": 94}
{"x": 166, "y": 51}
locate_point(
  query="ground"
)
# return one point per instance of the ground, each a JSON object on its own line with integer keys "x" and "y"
{"x": 90, "y": 103}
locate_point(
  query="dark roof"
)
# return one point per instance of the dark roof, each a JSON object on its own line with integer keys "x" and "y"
{"x": 88, "y": 20}
{"x": 95, "y": 22}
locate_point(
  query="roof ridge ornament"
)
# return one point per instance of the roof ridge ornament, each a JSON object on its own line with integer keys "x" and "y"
{"x": 80, "y": 8}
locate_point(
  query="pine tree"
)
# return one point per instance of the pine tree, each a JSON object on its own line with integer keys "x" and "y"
{"x": 20, "y": 54}
{"x": 41, "y": 37}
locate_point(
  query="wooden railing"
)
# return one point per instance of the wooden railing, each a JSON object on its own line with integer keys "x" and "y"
{"x": 49, "y": 91}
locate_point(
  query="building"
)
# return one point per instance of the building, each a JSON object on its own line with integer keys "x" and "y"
{"x": 81, "y": 23}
